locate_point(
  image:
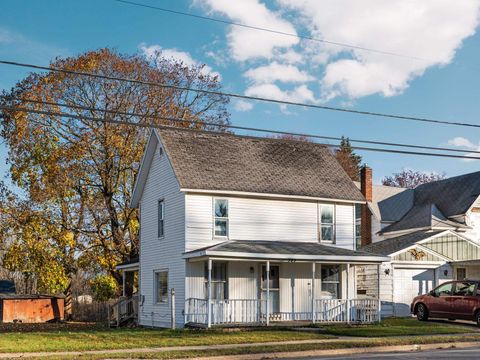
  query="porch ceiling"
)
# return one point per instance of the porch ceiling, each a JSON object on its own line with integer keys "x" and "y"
{"x": 285, "y": 250}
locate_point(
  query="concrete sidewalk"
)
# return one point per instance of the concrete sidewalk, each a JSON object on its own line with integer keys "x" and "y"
{"x": 340, "y": 351}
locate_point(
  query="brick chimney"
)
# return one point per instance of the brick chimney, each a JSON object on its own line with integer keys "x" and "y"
{"x": 366, "y": 215}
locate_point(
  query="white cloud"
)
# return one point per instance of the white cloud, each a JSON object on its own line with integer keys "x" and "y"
{"x": 430, "y": 29}
{"x": 151, "y": 52}
{"x": 467, "y": 145}
{"x": 278, "y": 72}
{"x": 298, "y": 94}
{"x": 242, "y": 105}
{"x": 246, "y": 43}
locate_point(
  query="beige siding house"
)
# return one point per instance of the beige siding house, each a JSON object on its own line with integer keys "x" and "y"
{"x": 247, "y": 231}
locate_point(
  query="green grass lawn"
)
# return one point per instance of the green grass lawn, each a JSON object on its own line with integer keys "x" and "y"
{"x": 399, "y": 327}
{"x": 104, "y": 338}
{"x": 71, "y": 337}
{"x": 271, "y": 349}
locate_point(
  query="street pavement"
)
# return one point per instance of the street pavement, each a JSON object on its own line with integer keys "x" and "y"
{"x": 454, "y": 354}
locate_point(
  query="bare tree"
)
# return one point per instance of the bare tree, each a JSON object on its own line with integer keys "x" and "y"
{"x": 411, "y": 179}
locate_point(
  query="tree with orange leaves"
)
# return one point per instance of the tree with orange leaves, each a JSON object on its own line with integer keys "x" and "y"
{"x": 78, "y": 173}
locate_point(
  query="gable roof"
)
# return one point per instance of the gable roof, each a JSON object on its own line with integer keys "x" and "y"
{"x": 453, "y": 196}
{"x": 423, "y": 216}
{"x": 392, "y": 245}
{"x": 226, "y": 162}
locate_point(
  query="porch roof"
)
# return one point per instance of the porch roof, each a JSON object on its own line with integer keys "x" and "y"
{"x": 285, "y": 250}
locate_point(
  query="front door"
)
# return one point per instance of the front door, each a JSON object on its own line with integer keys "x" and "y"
{"x": 274, "y": 301}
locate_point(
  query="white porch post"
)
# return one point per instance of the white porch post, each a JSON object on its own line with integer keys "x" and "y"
{"x": 378, "y": 294}
{"x": 267, "y": 268}
{"x": 123, "y": 283}
{"x": 348, "y": 293}
{"x": 313, "y": 292}
{"x": 209, "y": 294}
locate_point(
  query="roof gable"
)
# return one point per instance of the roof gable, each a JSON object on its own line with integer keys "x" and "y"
{"x": 142, "y": 175}
{"x": 453, "y": 196}
{"x": 422, "y": 216}
{"x": 437, "y": 246}
{"x": 226, "y": 162}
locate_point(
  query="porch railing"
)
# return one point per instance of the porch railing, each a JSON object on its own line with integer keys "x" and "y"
{"x": 235, "y": 311}
{"x": 331, "y": 310}
{"x": 250, "y": 311}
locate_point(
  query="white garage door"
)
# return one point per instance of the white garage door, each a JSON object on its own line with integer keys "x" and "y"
{"x": 409, "y": 283}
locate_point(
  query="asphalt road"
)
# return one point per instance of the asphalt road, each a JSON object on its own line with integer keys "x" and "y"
{"x": 457, "y": 354}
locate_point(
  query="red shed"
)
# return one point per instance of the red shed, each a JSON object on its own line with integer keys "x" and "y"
{"x": 31, "y": 308}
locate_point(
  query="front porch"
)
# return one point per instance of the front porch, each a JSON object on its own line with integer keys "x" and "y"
{"x": 268, "y": 287}
{"x": 254, "y": 312}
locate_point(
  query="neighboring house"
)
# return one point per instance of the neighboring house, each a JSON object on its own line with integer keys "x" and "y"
{"x": 431, "y": 233}
{"x": 246, "y": 230}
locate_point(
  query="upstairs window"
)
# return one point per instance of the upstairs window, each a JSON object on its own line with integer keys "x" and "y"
{"x": 327, "y": 223}
{"x": 358, "y": 227}
{"x": 220, "y": 210}
{"x": 161, "y": 218}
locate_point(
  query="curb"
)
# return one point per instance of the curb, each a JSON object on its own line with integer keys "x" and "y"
{"x": 346, "y": 351}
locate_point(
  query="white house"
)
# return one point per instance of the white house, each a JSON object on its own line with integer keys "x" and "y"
{"x": 431, "y": 234}
{"x": 246, "y": 230}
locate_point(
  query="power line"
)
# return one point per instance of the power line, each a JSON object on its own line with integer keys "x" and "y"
{"x": 179, "y": 120}
{"x": 156, "y": 126}
{"x": 239, "y": 96}
{"x": 273, "y": 31}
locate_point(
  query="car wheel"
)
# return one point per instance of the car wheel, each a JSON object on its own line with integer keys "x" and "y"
{"x": 477, "y": 318}
{"x": 422, "y": 313}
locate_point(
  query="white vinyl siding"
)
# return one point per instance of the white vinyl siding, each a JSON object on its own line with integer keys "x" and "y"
{"x": 166, "y": 254}
{"x": 295, "y": 293}
{"x": 264, "y": 219}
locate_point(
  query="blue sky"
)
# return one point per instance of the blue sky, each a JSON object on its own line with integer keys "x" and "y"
{"x": 444, "y": 84}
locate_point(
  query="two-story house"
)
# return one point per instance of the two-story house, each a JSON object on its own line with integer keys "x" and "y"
{"x": 431, "y": 233}
{"x": 246, "y": 230}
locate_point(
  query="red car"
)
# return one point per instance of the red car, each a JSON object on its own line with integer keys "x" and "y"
{"x": 451, "y": 300}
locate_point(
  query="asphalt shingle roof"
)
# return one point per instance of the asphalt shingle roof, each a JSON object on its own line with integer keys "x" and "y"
{"x": 281, "y": 247}
{"x": 453, "y": 196}
{"x": 226, "y": 162}
{"x": 392, "y": 245}
{"x": 422, "y": 216}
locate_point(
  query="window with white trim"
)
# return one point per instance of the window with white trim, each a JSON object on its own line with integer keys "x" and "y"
{"x": 330, "y": 281}
{"x": 161, "y": 218}
{"x": 327, "y": 226}
{"x": 219, "y": 282}
{"x": 161, "y": 287}
{"x": 358, "y": 226}
{"x": 220, "y": 213}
